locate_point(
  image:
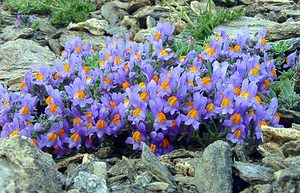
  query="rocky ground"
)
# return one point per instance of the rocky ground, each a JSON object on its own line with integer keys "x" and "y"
{"x": 274, "y": 167}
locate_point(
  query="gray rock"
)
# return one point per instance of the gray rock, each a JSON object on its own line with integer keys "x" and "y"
{"x": 291, "y": 148}
{"x": 16, "y": 57}
{"x": 276, "y": 162}
{"x": 259, "y": 188}
{"x": 254, "y": 24}
{"x": 24, "y": 168}
{"x": 94, "y": 26}
{"x": 226, "y": 3}
{"x": 136, "y": 4}
{"x": 156, "y": 12}
{"x": 285, "y": 175}
{"x": 142, "y": 35}
{"x": 155, "y": 167}
{"x": 150, "y": 22}
{"x": 292, "y": 161}
{"x": 98, "y": 42}
{"x": 100, "y": 169}
{"x": 214, "y": 173}
{"x": 157, "y": 186}
{"x": 284, "y": 30}
{"x": 117, "y": 30}
{"x": 11, "y": 33}
{"x": 279, "y": 135}
{"x": 270, "y": 149}
{"x": 89, "y": 183}
{"x": 46, "y": 27}
{"x": 112, "y": 13}
{"x": 252, "y": 173}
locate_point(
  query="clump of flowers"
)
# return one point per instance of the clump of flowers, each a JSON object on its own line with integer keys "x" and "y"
{"x": 25, "y": 21}
{"x": 146, "y": 91}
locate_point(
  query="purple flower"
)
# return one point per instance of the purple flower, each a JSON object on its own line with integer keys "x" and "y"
{"x": 137, "y": 137}
{"x": 290, "y": 60}
{"x": 18, "y": 21}
{"x": 77, "y": 90}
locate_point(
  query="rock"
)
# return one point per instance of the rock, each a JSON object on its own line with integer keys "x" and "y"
{"x": 89, "y": 183}
{"x": 155, "y": 11}
{"x": 112, "y": 13}
{"x": 150, "y": 22}
{"x": 55, "y": 46}
{"x": 269, "y": 149}
{"x": 157, "y": 186}
{"x": 155, "y": 167}
{"x": 24, "y": 168}
{"x": 259, "y": 188}
{"x": 98, "y": 42}
{"x": 240, "y": 153}
{"x": 284, "y": 30}
{"x": 214, "y": 173}
{"x": 252, "y": 173}
{"x": 117, "y": 30}
{"x": 292, "y": 161}
{"x": 289, "y": 116}
{"x": 274, "y": 1}
{"x": 233, "y": 27}
{"x": 136, "y": 4}
{"x": 279, "y": 135}
{"x": 142, "y": 35}
{"x": 276, "y": 162}
{"x": 11, "y": 33}
{"x": 94, "y": 26}
{"x": 226, "y": 3}
{"x": 100, "y": 169}
{"x": 46, "y": 27}
{"x": 285, "y": 175}
{"x": 291, "y": 148}
{"x": 16, "y": 57}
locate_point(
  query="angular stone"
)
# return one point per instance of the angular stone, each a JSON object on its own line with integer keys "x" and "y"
{"x": 155, "y": 167}
{"x": 117, "y": 30}
{"x": 284, "y": 30}
{"x": 259, "y": 188}
{"x": 112, "y": 13}
{"x": 233, "y": 27}
{"x": 279, "y": 135}
{"x": 268, "y": 149}
{"x": 292, "y": 161}
{"x": 276, "y": 162}
{"x": 94, "y": 26}
{"x": 157, "y": 186}
{"x": 100, "y": 169}
{"x": 11, "y": 33}
{"x": 24, "y": 168}
{"x": 285, "y": 175}
{"x": 252, "y": 173}
{"x": 89, "y": 183}
{"x": 291, "y": 148}
{"x": 156, "y": 12}
{"x": 16, "y": 57}
{"x": 136, "y": 4}
{"x": 214, "y": 173}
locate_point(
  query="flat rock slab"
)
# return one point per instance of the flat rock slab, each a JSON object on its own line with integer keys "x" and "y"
{"x": 24, "y": 168}
{"x": 279, "y": 135}
{"x": 252, "y": 173}
{"x": 214, "y": 174}
{"x": 16, "y": 57}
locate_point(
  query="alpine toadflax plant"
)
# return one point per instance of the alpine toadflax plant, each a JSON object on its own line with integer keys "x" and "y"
{"x": 146, "y": 91}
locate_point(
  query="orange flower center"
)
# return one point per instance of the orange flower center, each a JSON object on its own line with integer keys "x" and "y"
{"x": 245, "y": 95}
{"x": 172, "y": 101}
{"x": 118, "y": 60}
{"x": 14, "y": 133}
{"x": 52, "y": 136}
{"x": 161, "y": 117}
{"x": 126, "y": 85}
{"x": 236, "y": 118}
{"x": 238, "y": 133}
{"x": 48, "y": 100}
{"x": 88, "y": 115}
{"x": 210, "y": 107}
{"x": 136, "y": 112}
{"x": 193, "y": 113}
{"x": 39, "y": 76}
{"x": 206, "y": 81}
{"x": 193, "y": 69}
{"x": 75, "y": 137}
{"x": 165, "y": 143}
{"x": 76, "y": 121}
{"x": 80, "y": 94}
{"x": 164, "y": 85}
{"x": 262, "y": 41}
{"x": 100, "y": 124}
{"x": 257, "y": 98}
{"x": 237, "y": 90}
{"x": 67, "y": 68}
{"x": 25, "y": 110}
{"x": 137, "y": 136}
{"x": 107, "y": 80}
{"x": 53, "y": 108}
{"x": 22, "y": 85}
{"x": 86, "y": 69}
{"x": 152, "y": 148}
{"x": 225, "y": 102}
{"x": 155, "y": 78}
{"x": 157, "y": 35}
{"x": 116, "y": 119}
{"x": 144, "y": 96}
{"x": 254, "y": 71}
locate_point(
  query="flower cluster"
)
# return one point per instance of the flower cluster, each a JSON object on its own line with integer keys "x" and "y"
{"x": 24, "y": 20}
{"x": 145, "y": 90}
